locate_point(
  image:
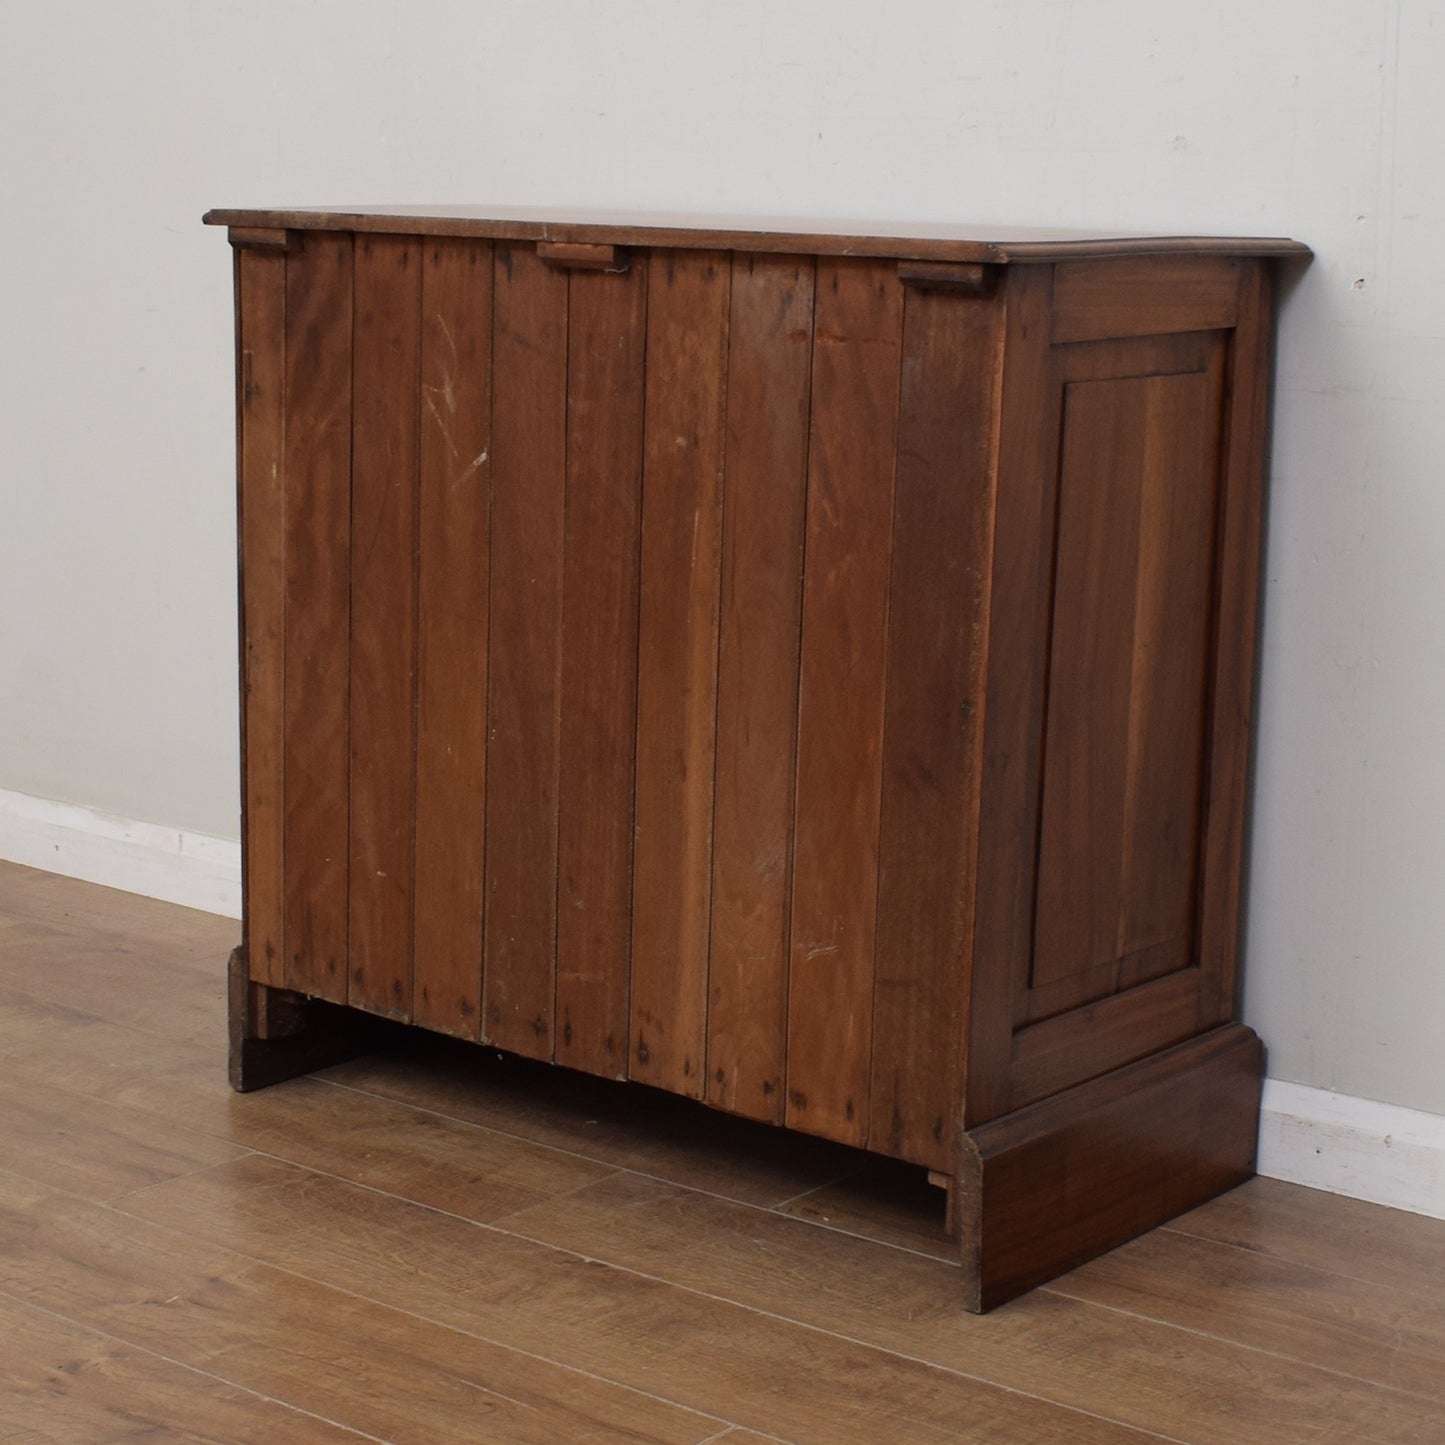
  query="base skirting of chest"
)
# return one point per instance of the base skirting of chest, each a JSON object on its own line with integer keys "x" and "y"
{"x": 1051, "y": 1186}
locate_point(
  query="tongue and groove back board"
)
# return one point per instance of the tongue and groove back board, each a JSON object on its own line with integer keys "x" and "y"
{"x": 804, "y": 671}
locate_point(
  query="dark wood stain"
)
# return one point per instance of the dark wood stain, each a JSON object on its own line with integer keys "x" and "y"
{"x": 814, "y": 683}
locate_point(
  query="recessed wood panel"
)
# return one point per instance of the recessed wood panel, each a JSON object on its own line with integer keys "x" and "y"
{"x": 770, "y": 350}
{"x": 317, "y": 550}
{"x": 682, "y": 492}
{"x": 1123, "y": 768}
{"x": 1086, "y": 737}
{"x": 605, "y": 385}
{"x": 529, "y": 479}
{"x": 858, "y": 329}
{"x": 386, "y": 348}
{"x": 1045, "y": 1010}
{"x": 1170, "y": 678}
{"x": 452, "y": 643}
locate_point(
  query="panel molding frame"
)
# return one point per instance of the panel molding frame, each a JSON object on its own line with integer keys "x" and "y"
{"x": 1013, "y": 1059}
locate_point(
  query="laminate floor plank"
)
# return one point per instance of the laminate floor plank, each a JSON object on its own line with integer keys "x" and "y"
{"x": 679, "y": 1344}
{"x": 1360, "y": 1331}
{"x": 375, "y": 1369}
{"x": 747, "y": 1437}
{"x": 64, "y": 1382}
{"x": 106, "y": 964}
{"x": 1114, "y": 1364}
{"x": 30, "y": 894}
{"x": 180, "y": 1079}
{"x": 627, "y": 1127}
{"x": 887, "y": 1201}
{"x": 123, "y": 1123}
{"x": 93, "y": 1147}
{"x": 27, "y": 1024}
{"x": 465, "y": 1170}
{"x": 1343, "y": 1236}
{"x": 442, "y": 1243}
{"x": 103, "y": 976}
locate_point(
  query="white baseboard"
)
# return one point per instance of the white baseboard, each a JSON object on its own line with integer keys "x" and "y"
{"x": 1379, "y": 1152}
{"x": 1357, "y": 1147}
{"x": 193, "y": 869}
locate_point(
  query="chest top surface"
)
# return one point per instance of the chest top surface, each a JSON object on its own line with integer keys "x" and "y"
{"x": 939, "y": 241}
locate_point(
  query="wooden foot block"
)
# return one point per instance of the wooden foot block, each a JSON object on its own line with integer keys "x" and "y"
{"x": 1055, "y": 1184}
{"x": 278, "y": 1035}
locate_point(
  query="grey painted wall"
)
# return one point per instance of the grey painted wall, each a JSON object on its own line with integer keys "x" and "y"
{"x": 1315, "y": 118}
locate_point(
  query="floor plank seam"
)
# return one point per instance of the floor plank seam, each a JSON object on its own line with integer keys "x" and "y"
{"x": 813, "y": 1189}
{"x": 69, "y": 1011}
{"x": 1241, "y": 1345}
{"x": 655, "y": 1178}
{"x": 842, "y": 1336}
{"x": 732, "y": 1429}
{"x": 383, "y": 1193}
{"x": 499, "y": 1343}
{"x": 169, "y": 1037}
{"x": 571, "y": 1193}
{"x": 1376, "y": 1330}
{"x": 586, "y": 1258}
{"x": 1260, "y": 1252}
{"x": 433, "y": 1320}
{"x": 949, "y": 1264}
{"x": 241, "y": 1153}
{"x": 491, "y": 1129}
{"x": 657, "y": 1279}
{"x": 616, "y": 1170}
{"x": 146, "y": 1350}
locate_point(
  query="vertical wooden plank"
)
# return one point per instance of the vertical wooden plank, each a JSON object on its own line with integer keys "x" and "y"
{"x": 687, "y": 325}
{"x": 858, "y": 325}
{"x": 318, "y": 665}
{"x": 770, "y": 356}
{"x": 1017, "y": 660}
{"x": 529, "y": 476}
{"x": 1236, "y": 629}
{"x": 383, "y": 620}
{"x": 607, "y": 334}
{"x": 942, "y": 543}
{"x": 454, "y": 487}
{"x": 261, "y": 319}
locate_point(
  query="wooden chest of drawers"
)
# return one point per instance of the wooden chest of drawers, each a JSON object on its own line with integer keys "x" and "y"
{"x": 809, "y": 673}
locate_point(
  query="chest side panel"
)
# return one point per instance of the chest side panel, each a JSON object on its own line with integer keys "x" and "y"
{"x": 1123, "y": 612}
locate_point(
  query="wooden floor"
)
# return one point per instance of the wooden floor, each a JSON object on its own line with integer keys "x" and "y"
{"x": 444, "y": 1245}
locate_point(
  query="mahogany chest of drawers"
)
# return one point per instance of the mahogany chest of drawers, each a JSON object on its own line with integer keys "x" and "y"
{"x": 806, "y": 672}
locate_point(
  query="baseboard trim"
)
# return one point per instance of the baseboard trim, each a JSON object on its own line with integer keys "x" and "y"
{"x": 192, "y": 869}
{"x": 1379, "y": 1152}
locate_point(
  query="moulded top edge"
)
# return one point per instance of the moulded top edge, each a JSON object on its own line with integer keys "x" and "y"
{"x": 933, "y": 241}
